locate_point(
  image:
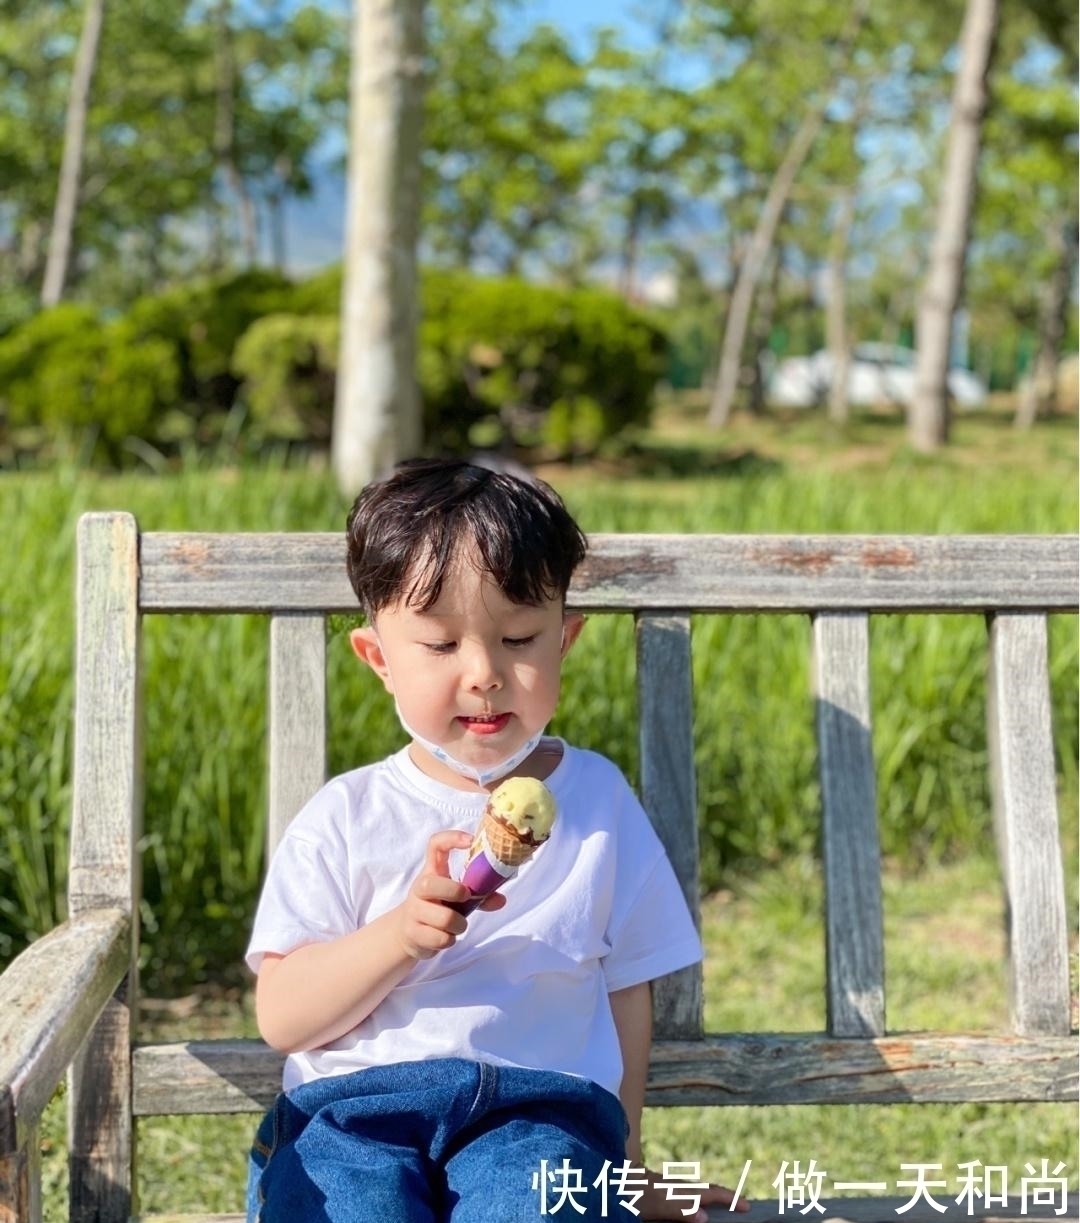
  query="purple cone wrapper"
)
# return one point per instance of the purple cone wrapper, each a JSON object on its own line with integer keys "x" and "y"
{"x": 483, "y": 875}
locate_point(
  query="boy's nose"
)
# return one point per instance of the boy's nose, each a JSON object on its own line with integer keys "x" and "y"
{"x": 482, "y": 673}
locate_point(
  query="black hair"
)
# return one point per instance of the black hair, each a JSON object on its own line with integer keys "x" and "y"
{"x": 406, "y": 531}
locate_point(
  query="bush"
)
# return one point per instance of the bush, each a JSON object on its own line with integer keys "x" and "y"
{"x": 509, "y": 362}
{"x": 287, "y": 363}
{"x": 501, "y": 363}
{"x": 203, "y": 322}
{"x": 67, "y": 371}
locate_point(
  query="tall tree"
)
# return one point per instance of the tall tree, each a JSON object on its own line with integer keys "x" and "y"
{"x": 377, "y": 405}
{"x": 71, "y": 163}
{"x": 928, "y": 418}
{"x": 737, "y": 321}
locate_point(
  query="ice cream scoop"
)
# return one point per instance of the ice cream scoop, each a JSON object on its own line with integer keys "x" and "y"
{"x": 517, "y": 820}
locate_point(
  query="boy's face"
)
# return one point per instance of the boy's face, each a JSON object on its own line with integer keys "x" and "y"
{"x": 475, "y": 673}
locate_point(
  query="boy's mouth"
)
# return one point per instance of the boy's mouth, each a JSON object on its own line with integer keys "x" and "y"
{"x": 485, "y": 724}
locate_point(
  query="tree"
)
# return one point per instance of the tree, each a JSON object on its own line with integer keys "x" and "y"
{"x": 797, "y": 150}
{"x": 928, "y": 419}
{"x": 377, "y": 404}
{"x": 71, "y": 164}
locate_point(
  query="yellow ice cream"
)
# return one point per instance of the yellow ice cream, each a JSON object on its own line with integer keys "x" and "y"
{"x": 525, "y": 805}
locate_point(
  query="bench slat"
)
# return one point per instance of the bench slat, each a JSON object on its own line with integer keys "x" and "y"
{"x": 666, "y": 727}
{"x": 238, "y": 1076}
{"x": 106, "y": 826}
{"x": 297, "y": 716}
{"x": 306, "y": 572}
{"x": 855, "y": 958}
{"x": 1026, "y": 823}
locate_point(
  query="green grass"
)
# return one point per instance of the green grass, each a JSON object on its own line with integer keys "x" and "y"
{"x": 754, "y": 749}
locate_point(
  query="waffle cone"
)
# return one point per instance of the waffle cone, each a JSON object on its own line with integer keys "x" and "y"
{"x": 503, "y": 842}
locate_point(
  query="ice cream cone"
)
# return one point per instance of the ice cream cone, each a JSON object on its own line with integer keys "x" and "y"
{"x": 503, "y": 842}
{"x": 516, "y": 822}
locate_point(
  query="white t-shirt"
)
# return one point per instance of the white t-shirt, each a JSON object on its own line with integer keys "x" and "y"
{"x": 597, "y": 909}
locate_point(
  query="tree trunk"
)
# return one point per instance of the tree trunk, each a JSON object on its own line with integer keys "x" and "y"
{"x": 837, "y": 338}
{"x": 628, "y": 260}
{"x": 377, "y": 405}
{"x": 67, "y": 195}
{"x": 742, "y": 299}
{"x": 1039, "y": 393}
{"x": 756, "y": 372}
{"x": 225, "y": 138}
{"x": 928, "y": 419}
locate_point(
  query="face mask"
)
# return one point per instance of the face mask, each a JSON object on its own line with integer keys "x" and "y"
{"x": 480, "y": 776}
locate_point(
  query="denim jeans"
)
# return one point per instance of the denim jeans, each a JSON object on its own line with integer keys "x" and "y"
{"x": 434, "y": 1142}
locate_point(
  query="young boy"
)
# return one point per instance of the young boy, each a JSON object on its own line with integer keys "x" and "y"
{"x": 480, "y": 1070}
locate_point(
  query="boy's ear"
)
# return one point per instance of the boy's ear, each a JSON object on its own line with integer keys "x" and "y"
{"x": 572, "y": 626}
{"x": 366, "y": 647}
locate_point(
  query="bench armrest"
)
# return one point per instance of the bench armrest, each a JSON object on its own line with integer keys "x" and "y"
{"x": 50, "y": 997}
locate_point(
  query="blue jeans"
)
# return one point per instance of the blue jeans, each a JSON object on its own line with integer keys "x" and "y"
{"x": 435, "y": 1141}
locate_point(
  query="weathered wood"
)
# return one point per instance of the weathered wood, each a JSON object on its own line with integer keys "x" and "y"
{"x": 50, "y": 996}
{"x": 242, "y": 1076}
{"x": 855, "y": 976}
{"x": 104, "y": 870}
{"x": 101, "y": 1162}
{"x": 20, "y": 1181}
{"x": 1026, "y": 822}
{"x": 297, "y": 723}
{"x": 666, "y": 727}
{"x": 806, "y": 1068}
{"x": 305, "y": 572}
{"x": 205, "y": 1076}
{"x": 107, "y": 767}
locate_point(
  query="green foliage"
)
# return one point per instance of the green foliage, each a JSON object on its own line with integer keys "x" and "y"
{"x": 515, "y": 362}
{"x": 65, "y": 370}
{"x": 204, "y": 320}
{"x": 287, "y": 364}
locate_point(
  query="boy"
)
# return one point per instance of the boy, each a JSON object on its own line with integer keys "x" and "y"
{"x": 474, "y": 1071}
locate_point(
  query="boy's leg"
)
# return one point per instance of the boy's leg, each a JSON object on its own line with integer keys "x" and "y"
{"x": 540, "y": 1144}
{"x": 350, "y": 1149}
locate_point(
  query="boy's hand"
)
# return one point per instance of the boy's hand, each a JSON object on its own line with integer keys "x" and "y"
{"x": 426, "y": 925}
{"x": 656, "y": 1205}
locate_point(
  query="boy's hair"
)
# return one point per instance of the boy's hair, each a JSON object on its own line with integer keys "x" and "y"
{"x": 405, "y": 532}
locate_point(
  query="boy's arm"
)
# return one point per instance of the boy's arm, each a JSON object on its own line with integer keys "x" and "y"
{"x": 320, "y": 991}
{"x": 632, "y": 1011}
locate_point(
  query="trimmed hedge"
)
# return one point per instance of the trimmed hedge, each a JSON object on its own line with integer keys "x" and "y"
{"x": 501, "y": 363}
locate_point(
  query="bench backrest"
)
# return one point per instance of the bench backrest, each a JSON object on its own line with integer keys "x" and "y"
{"x": 837, "y": 581}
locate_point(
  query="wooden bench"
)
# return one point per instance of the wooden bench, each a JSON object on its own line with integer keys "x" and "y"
{"x": 66, "y": 1004}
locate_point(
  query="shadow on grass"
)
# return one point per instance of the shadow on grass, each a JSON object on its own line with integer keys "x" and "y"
{"x": 664, "y": 460}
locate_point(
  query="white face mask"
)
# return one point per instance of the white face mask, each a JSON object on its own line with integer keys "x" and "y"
{"x": 481, "y": 776}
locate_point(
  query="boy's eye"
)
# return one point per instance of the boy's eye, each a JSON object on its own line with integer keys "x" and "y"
{"x": 516, "y": 643}
{"x": 440, "y": 647}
